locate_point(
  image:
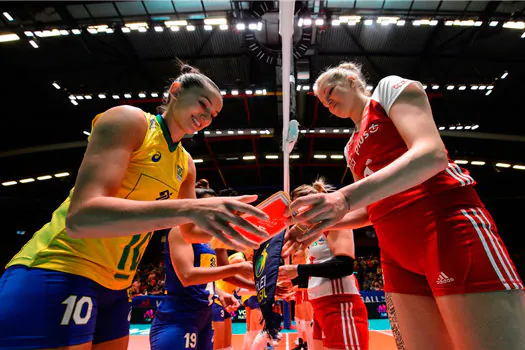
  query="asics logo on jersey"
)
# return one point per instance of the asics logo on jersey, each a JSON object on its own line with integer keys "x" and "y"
{"x": 443, "y": 279}
{"x": 372, "y": 129}
{"x": 156, "y": 157}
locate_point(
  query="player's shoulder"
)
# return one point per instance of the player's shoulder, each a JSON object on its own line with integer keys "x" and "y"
{"x": 392, "y": 82}
{"x": 391, "y": 87}
{"x": 125, "y": 113}
{"x": 122, "y": 117}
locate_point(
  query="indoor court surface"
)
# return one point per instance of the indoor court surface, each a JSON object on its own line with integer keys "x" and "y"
{"x": 380, "y": 337}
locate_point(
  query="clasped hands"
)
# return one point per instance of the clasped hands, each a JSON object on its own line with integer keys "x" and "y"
{"x": 310, "y": 216}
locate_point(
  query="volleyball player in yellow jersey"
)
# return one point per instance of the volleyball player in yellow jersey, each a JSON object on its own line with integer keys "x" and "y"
{"x": 69, "y": 281}
{"x": 253, "y": 312}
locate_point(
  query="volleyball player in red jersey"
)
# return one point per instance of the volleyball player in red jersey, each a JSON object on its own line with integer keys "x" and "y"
{"x": 340, "y": 316}
{"x": 303, "y": 307}
{"x": 449, "y": 281}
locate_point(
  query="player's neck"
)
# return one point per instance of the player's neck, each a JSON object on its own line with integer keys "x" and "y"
{"x": 357, "y": 113}
{"x": 176, "y": 133}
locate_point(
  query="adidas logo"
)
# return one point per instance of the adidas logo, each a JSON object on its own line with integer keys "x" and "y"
{"x": 442, "y": 279}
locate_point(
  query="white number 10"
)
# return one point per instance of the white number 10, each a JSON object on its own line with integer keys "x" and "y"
{"x": 74, "y": 308}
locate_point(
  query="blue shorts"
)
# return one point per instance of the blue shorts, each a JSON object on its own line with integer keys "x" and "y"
{"x": 177, "y": 326}
{"x": 219, "y": 313}
{"x": 47, "y": 309}
{"x": 251, "y": 302}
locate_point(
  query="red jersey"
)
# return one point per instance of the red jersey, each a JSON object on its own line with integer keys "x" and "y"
{"x": 378, "y": 143}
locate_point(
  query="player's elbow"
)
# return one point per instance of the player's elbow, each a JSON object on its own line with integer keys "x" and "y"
{"x": 78, "y": 226}
{"x": 438, "y": 158}
{"x": 73, "y": 227}
{"x": 185, "y": 279}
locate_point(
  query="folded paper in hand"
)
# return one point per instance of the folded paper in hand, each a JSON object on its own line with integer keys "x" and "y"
{"x": 276, "y": 206}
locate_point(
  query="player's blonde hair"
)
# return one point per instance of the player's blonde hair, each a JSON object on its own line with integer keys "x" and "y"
{"x": 344, "y": 71}
{"x": 319, "y": 186}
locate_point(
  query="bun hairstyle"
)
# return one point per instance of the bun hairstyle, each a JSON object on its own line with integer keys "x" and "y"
{"x": 188, "y": 78}
{"x": 350, "y": 66}
{"x": 187, "y": 69}
{"x": 319, "y": 186}
{"x": 342, "y": 72}
{"x": 202, "y": 183}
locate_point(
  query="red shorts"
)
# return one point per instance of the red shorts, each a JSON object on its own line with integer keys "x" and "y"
{"x": 454, "y": 249}
{"x": 301, "y": 296}
{"x": 341, "y": 322}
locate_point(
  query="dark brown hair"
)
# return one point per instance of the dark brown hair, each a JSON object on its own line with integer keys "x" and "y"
{"x": 188, "y": 78}
{"x": 202, "y": 183}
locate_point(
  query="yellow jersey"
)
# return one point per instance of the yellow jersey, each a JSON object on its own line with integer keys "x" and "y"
{"x": 155, "y": 172}
{"x": 216, "y": 244}
{"x": 226, "y": 286}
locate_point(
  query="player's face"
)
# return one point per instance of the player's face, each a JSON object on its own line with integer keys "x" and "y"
{"x": 195, "y": 108}
{"x": 338, "y": 97}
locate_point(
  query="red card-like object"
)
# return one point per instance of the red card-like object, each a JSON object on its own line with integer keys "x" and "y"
{"x": 275, "y": 206}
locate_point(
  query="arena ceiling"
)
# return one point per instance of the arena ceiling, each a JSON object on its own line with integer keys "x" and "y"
{"x": 465, "y": 52}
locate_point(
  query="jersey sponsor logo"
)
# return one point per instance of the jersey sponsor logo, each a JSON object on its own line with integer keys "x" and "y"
{"x": 444, "y": 279}
{"x": 179, "y": 173}
{"x": 352, "y": 163}
{"x": 368, "y": 171}
{"x": 156, "y": 157}
{"x": 164, "y": 195}
{"x": 372, "y": 129}
{"x": 320, "y": 241}
{"x": 400, "y": 84}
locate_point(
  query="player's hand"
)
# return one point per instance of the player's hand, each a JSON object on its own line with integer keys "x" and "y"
{"x": 229, "y": 302}
{"x": 245, "y": 269}
{"x": 216, "y": 215}
{"x": 285, "y": 290}
{"x": 318, "y": 211}
{"x": 287, "y": 272}
{"x": 293, "y": 240}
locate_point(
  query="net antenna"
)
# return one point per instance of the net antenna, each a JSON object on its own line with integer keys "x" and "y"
{"x": 290, "y": 128}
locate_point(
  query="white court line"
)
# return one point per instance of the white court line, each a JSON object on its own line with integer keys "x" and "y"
{"x": 384, "y": 332}
{"x": 287, "y": 343}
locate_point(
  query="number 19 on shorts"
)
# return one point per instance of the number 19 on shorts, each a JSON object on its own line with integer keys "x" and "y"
{"x": 191, "y": 340}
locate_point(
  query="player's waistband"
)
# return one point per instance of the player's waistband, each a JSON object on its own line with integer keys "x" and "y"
{"x": 425, "y": 206}
{"x": 185, "y": 301}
